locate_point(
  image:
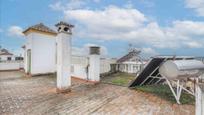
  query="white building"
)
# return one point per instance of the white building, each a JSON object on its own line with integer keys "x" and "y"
{"x": 130, "y": 63}
{"x": 40, "y": 50}
{"x": 8, "y": 61}
{"x": 40, "y": 54}
{"x": 5, "y": 55}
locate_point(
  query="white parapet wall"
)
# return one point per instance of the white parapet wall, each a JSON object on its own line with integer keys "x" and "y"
{"x": 79, "y": 71}
{"x": 11, "y": 65}
{"x": 200, "y": 99}
{"x": 79, "y": 66}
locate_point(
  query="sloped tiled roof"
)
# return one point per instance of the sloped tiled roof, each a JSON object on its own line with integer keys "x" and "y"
{"x": 131, "y": 54}
{"x": 5, "y": 52}
{"x": 40, "y": 27}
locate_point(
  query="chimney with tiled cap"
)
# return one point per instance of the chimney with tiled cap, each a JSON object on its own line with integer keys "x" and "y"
{"x": 94, "y": 64}
{"x": 63, "y": 56}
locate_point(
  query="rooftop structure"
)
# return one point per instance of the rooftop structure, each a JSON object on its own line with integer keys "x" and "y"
{"x": 5, "y": 52}
{"x": 134, "y": 53}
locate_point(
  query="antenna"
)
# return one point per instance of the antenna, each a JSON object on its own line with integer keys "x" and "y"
{"x": 130, "y": 47}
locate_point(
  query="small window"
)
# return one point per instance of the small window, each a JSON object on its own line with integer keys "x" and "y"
{"x": 9, "y": 58}
{"x": 18, "y": 58}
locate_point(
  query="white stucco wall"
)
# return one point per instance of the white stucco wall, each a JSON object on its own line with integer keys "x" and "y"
{"x": 43, "y": 57}
{"x": 79, "y": 71}
{"x": 28, "y": 45}
{"x": 43, "y": 53}
{"x": 94, "y": 67}
{"x": 199, "y": 99}
{"x": 4, "y": 57}
{"x": 105, "y": 64}
{"x": 11, "y": 65}
{"x": 79, "y": 66}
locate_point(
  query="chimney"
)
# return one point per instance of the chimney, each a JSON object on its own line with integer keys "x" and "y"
{"x": 63, "y": 41}
{"x": 94, "y": 64}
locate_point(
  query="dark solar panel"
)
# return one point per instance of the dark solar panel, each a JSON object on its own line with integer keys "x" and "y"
{"x": 152, "y": 69}
{"x": 153, "y": 64}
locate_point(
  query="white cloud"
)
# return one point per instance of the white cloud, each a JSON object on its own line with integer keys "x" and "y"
{"x": 106, "y": 24}
{"x": 128, "y": 24}
{"x": 85, "y": 50}
{"x": 197, "y": 5}
{"x": 110, "y": 18}
{"x": 15, "y": 31}
{"x": 193, "y": 44}
{"x": 72, "y": 4}
{"x": 57, "y": 6}
{"x": 149, "y": 51}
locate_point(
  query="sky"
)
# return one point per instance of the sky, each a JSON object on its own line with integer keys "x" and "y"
{"x": 156, "y": 27}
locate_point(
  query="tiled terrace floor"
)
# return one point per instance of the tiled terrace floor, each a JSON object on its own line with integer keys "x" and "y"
{"x": 36, "y": 95}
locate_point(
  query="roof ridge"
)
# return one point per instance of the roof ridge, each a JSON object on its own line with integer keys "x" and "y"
{"x": 41, "y": 27}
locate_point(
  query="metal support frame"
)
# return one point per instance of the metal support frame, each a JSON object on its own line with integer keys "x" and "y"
{"x": 176, "y": 94}
{"x": 149, "y": 76}
{"x": 179, "y": 88}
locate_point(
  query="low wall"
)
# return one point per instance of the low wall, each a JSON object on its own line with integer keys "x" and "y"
{"x": 11, "y": 65}
{"x": 79, "y": 71}
{"x": 200, "y": 99}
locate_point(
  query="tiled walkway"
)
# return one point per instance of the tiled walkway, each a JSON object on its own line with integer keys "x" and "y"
{"x": 36, "y": 95}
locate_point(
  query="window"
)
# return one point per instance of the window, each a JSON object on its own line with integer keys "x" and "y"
{"x": 9, "y": 58}
{"x": 18, "y": 58}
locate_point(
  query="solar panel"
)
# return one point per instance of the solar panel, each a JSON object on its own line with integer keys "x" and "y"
{"x": 150, "y": 74}
{"x": 151, "y": 68}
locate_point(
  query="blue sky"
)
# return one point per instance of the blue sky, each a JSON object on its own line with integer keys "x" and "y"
{"x": 157, "y": 27}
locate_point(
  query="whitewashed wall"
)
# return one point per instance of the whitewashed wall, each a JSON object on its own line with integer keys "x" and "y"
{"x": 199, "y": 95}
{"x": 4, "y": 57}
{"x": 28, "y": 46}
{"x": 105, "y": 64}
{"x": 79, "y": 71}
{"x": 11, "y": 65}
{"x": 79, "y": 66}
{"x": 43, "y": 57}
{"x": 43, "y": 53}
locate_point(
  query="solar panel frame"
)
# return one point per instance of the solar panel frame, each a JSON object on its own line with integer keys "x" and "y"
{"x": 150, "y": 74}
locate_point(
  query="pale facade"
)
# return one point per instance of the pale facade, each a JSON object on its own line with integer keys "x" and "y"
{"x": 79, "y": 65}
{"x": 40, "y": 52}
{"x": 8, "y": 61}
{"x": 130, "y": 63}
{"x": 41, "y": 55}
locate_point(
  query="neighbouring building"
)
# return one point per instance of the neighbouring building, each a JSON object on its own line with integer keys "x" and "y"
{"x": 9, "y": 61}
{"x": 130, "y": 63}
